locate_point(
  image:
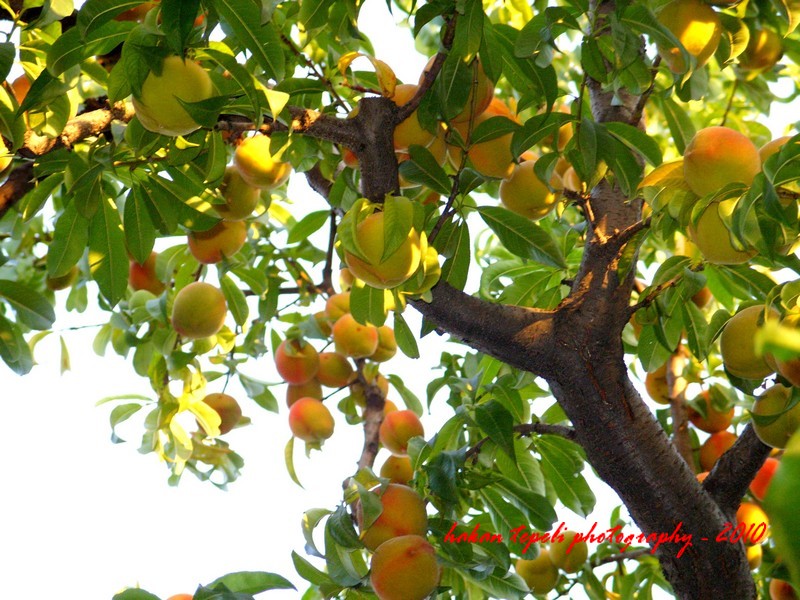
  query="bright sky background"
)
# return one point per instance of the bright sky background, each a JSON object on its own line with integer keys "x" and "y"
{"x": 83, "y": 518}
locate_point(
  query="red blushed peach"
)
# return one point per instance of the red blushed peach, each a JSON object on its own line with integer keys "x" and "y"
{"x": 404, "y": 568}
{"x": 397, "y": 469}
{"x": 229, "y": 411}
{"x": 297, "y": 362}
{"x": 337, "y": 305}
{"x": 387, "y": 345}
{"x": 760, "y": 483}
{"x": 717, "y": 156}
{"x": 309, "y": 389}
{"x": 403, "y": 514}
{"x": 143, "y": 277}
{"x": 199, "y": 310}
{"x": 354, "y": 339}
{"x": 714, "y": 447}
{"x": 222, "y": 241}
{"x": 714, "y": 420}
{"x": 782, "y": 590}
{"x": 397, "y": 429}
{"x": 310, "y": 420}
{"x": 334, "y": 370}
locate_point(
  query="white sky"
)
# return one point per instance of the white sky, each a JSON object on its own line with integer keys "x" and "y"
{"x": 83, "y": 518}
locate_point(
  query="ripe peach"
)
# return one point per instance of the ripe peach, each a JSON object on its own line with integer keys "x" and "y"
{"x": 404, "y": 568}
{"x": 310, "y": 420}
{"x": 20, "y": 87}
{"x": 482, "y": 89}
{"x": 569, "y": 556}
{"x": 755, "y": 555}
{"x": 397, "y": 429}
{"x": 410, "y": 131}
{"x": 309, "y": 389}
{"x": 397, "y": 469}
{"x": 157, "y": 105}
{"x": 403, "y": 514}
{"x": 374, "y": 269}
{"x": 337, "y": 305}
{"x": 751, "y": 514}
{"x": 702, "y": 297}
{"x": 353, "y": 339}
{"x": 713, "y": 420}
{"x": 389, "y": 406}
{"x": 296, "y": 361}
{"x": 771, "y": 403}
{"x": 334, "y": 370}
{"x": 782, "y": 590}
{"x": 491, "y": 158}
{"x": 222, "y": 241}
{"x": 717, "y": 156}
{"x": 199, "y": 310}
{"x": 241, "y": 198}
{"x": 713, "y": 238}
{"x": 696, "y": 25}
{"x": 571, "y": 181}
{"x": 527, "y": 195}
{"x": 772, "y": 147}
{"x": 540, "y": 573}
{"x": 714, "y": 447}
{"x": 760, "y": 483}
{"x": 258, "y": 166}
{"x": 387, "y": 345}
{"x": 143, "y": 277}
{"x": 229, "y": 411}
{"x": 655, "y": 383}
{"x": 180, "y": 596}
{"x": 763, "y": 51}
{"x": 737, "y": 346}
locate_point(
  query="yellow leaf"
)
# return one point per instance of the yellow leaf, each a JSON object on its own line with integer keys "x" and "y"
{"x": 667, "y": 174}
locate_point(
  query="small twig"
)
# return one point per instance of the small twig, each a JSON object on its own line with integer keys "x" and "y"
{"x": 730, "y": 102}
{"x": 527, "y": 429}
{"x": 638, "y": 112}
{"x": 659, "y": 289}
{"x": 327, "y": 271}
{"x": 624, "y": 236}
{"x": 311, "y": 66}
{"x": 621, "y": 556}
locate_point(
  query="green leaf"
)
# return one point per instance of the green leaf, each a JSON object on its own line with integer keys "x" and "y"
{"x": 505, "y": 515}
{"x": 14, "y": 351}
{"x": 314, "y": 13}
{"x": 309, "y": 224}
{"x": 252, "y": 582}
{"x": 409, "y": 399}
{"x": 620, "y": 160}
{"x": 680, "y": 124}
{"x": 140, "y": 234}
{"x": 243, "y": 17}
{"x": 177, "y": 22}
{"x": 469, "y": 29}
{"x": 309, "y": 572}
{"x": 422, "y": 168}
{"x": 31, "y": 307}
{"x": 135, "y": 594}
{"x": 561, "y": 466}
{"x": 70, "y": 239}
{"x": 94, "y": 13}
{"x": 108, "y": 258}
{"x": 34, "y": 200}
{"x": 339, "y": 561}
{"x": 636, "y": 139}
{"x": 367, "y": 305}
{"x": 237, "y": 303}
{"x": 442, "y": 471}
{"x": 454, "y": 241}
{"x": 70, "y": 48}
{"x": 7, "y": 53}
{"x": 522, "y": 237}
{"x": 405, "y": 339}
{"x": 492, "y": 128}
{"x": 259, "y": 392}
{"x": 498, "y": 425}
{"x": 240, "y": 75}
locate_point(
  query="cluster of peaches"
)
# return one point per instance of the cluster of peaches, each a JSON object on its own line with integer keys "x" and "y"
{"x": 565, "y": 554}
{"x": 699, "y": 29}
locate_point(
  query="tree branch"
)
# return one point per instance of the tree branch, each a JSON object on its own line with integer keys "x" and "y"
{"x": 525, "y": 430}
{"x": 677, "y": 404}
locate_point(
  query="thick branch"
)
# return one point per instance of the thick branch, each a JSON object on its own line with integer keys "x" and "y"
{"x": 731, "y": 476}
{"x": 680, "y": 419}
{"x": 20, "y": 182}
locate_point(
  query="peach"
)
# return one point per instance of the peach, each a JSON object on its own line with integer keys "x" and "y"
{"x": 702, "y": 297}
{"x": 157, "y": 106}
{"x": 714, "y": 447}
{"x": 782, "y": 590}
{"x": 240, "y": 197}
{"x": 257, "y": 166}
{"x": 353, "y": 339}
{"x": 491, "y": 158}
{"x": 334, "y": 370}
{"x": 751, "y": 514}
{"x": 482, "y": 90}
{"x": 137, "y": 13}
{"x": 20, "y": 87}
{"x": 540, "y": 574}
{"x": 387, "y": 345}
{"x": 773, "y": 403}
{"x": 404, "y": 568}
{"x": 310, "y": 420}
{"x": 397, "y": 469}
{"x": 309, "y": 389}
{"x": 714, "y": 420}
{"x": 763, "y": 51}
{"x": 337, "y": 305}
{"x": 569, "y": 555}
{"x": 655, "y": 383}
{"x": 737, "y": 346}
{"x": 222, "y": 241}
{"x": 410, "y": 131}
{"x": 713, "y": 238}
{"x": 403, "y": 514}
{"x": 760, "y": 483}
{"x": 772, "y": 147}
{"x": 698, "y": 28}
{"x": 199, "y": 310}
{"x": 143, "y": 277}
{"x": 397, "y": 429}
{"x": 374, "y": 268}
{"x": 297, "y": 361}
{"x": 527, "y": 195}
{"x": 229, "y": 411}
{"x": 718, "y": 156}
{"x": 755, "y": 555}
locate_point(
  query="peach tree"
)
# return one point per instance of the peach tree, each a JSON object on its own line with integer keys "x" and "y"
{"x": 582, "y": 194}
